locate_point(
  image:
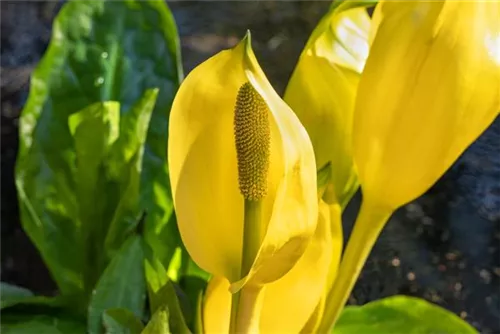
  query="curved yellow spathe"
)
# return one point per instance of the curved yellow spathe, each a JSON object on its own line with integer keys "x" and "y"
{"x": 204, "y": 172}
{"x": 322, "y": 91}
{"x": 288, "y": 302}
{"x": 430, "y": 87}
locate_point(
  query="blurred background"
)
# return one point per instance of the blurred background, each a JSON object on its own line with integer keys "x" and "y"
{"x": 444, "y": 247}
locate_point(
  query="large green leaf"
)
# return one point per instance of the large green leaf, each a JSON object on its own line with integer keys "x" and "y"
{"x": 100, "y": 51}
{"x": 40, "y": 324}
{"x": 400, "y": 314}
{"x": 122, "y": 285}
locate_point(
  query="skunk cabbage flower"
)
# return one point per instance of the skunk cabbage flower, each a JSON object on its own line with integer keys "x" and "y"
{"x": 430, "y": 87}
{"x": 322, "y": 92}
{"x": 233, "y": 145}
{"x": 288, "y": 302}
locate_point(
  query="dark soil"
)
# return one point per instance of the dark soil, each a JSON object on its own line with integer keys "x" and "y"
{"x": 444, "y": 247}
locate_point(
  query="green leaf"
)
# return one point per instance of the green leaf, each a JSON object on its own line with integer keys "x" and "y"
{"x": 100, "y": 51}
{"x": 158, "y": 323}
{"x": 162, "y": 292}
{"x": 197, "y": 321}
{"x": 125, "y": 163}
{"x": 13, "y": 295}
{"x": 40, "y": 324}
{"x": 190, "y": 268}
{"x": 121, "y": 321}
{"x": 94, "y": 131}
{"x": 400, "y": 314}
{"x": 192, "y": 282}
{"x": 122, "y": 285}
{"x": 167, "y": 297}
{"x": 193, "y": 287}
{"x": 155, "y": 272}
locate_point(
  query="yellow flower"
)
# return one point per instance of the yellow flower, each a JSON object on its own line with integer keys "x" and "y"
{"x": 233, "y": 142}
{"x": 322, "y": 92}
{"x": 288, "y": 302}
{"x": 430, "y": 87}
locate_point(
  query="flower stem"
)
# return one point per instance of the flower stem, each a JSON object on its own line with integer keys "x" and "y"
{"x": 249, "y": 309}
{"x": 235, "y": 302}
{"x": 247, "y": 304}
{"x": 251, "y": 234}
{"x": 369, "y": 223}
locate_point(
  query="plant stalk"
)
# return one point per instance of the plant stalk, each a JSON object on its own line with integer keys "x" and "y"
{"x": 246, "y": 304}
{"x": 369, "y": 223}
{"x": 249, "y": 309}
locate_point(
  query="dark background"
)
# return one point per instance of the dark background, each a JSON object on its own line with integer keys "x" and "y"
{"x": 444, "y": 247}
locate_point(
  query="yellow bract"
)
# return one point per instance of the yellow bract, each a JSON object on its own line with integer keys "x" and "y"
{"x": 204, "y": 172}
{"x": 290, "y": 301}
{"x": 322, "y": 92}
{"x": 430, "y": 87}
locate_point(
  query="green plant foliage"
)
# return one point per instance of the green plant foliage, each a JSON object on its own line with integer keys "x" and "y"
{"x": 167, "y": 298}
{"x": 400, "y": 314}
{"x": 122, "y": 285}
{"x": 193, "y": 288}
{"x": 40, "y": 324}
{"x": 121, "y": 321}
{"x": 163, "y": 292}
{"x": 158, "y": 323}
{"x": 83, "y": 171}
{"x": 12, "y": 295}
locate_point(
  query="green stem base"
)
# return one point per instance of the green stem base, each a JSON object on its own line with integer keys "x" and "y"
{"x": 369, "y": 223}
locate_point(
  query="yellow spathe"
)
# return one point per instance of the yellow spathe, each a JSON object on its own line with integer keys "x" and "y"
{"x": 204, "y": 172}
{"x": 322, "y": 92}
{"x": 291, "y": 300}
{"x": 430, "y": 87}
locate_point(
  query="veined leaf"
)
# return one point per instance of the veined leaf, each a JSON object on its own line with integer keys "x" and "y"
{"x": 400, "y": 314}
{"x": 100, "y": 51}
{"x": 122, "y": 285}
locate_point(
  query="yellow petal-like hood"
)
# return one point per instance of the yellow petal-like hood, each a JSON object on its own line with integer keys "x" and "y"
{"x": 289, "y": 301}
{"x": 216, "y": 309}
{"x": 204, "y": 172}
{"x": 430, "y": 87}
{"x": 322, "y": 92}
